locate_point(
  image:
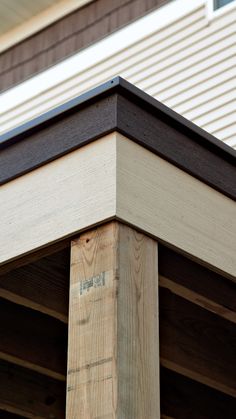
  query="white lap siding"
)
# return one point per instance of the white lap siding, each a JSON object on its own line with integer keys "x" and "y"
{"x": 176, "y": 54}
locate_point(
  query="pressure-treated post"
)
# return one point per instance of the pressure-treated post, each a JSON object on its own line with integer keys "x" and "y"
{"x": 113, "y": 349}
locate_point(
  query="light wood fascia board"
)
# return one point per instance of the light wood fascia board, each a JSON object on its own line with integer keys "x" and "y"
{"x": 114, "y": 177}
{"x": 172, "y": 206}
{"x": 59, "y": 199}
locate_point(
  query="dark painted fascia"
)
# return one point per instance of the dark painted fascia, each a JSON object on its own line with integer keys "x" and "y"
{"x": 118, "y": 105}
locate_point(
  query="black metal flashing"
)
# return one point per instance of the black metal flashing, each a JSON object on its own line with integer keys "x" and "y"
{"x": 118, "y": 106}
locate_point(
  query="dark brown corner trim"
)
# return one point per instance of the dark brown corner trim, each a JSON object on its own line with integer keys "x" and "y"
{"x": 118, "y": 105}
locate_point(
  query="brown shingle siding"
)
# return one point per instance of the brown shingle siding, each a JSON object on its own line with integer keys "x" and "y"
{"x": 68, "y": 35}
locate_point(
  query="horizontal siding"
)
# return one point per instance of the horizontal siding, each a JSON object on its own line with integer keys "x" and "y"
{"x": 176, "y": 68}
{"x": 228, "y": 119}
{"x": 67, "y": 36}
{"x": 215, "y": 114}
{"x": 231, "y": 140}
{"x": 228, "y": 131}
{"x": 204, "y": 98}
{"x": 207, "y": 107}
{"x": 190, "y": 65}
{"x": 196, "y": 79}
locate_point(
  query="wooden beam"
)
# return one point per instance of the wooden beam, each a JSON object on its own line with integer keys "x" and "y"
{"x": 202, "y": 281}
{"x": 197, "y": 343}
{"x": 29, "y": 394}
{"x": 33, "y": 340}
{"x": 35, "y": 255}
{"x": 113, "y": 356}
{"x": 183, "y": 398}
{"x": 34, "y": 284}
{"x": 197, "y": 299}
{"x": 8, "y": 415}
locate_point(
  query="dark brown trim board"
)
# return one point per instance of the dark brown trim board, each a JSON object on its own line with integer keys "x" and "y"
{"x": 119, "y": 106}
{"x": 68, "y": 35}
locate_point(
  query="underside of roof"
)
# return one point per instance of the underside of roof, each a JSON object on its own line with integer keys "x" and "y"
{"x": 15, "y": 12}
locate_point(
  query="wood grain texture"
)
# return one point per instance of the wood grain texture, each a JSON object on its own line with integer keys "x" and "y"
{"x": 118, "y": 105}
{"x": 180, "y": 145}
{"x": 33, "y": 340}
{"x": 182, "y": 54}
{"x": 92, "y": 372}
{"x": 113, "y": 361}
{"x": 43, "y": 252}
{"x": 197, "y": 343}
{"x": 101, "y": 181}
{"x": 202, "y": 281}
{"x": 29, "y": 394}
{"x": 174, "y": 207}
{"x": 57, "y": 137}
{"x": 197, "y": 284}
{"x": 138, "y": 335}
{"x": 198, "y": 299}
{"x": 67, "y": 36}
{"x": 42, "y": 285}
{"x": 183, "y": 398}
{"x": 80, "y": 193}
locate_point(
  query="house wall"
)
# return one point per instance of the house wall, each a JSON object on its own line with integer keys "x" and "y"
{"x": 35, "y": 22}
{"x": 66, "y": 36}
{"x": 179, "y": 54}
{"x": 166, "y": 238}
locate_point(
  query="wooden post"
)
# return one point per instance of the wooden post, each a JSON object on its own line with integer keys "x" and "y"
{"x": 113, "y": 348}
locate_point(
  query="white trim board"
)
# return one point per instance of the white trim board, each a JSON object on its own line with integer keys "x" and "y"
{"x": 45, "y": 91}
{"x": 38, "y": 22}
{"x": 214, "y": 14}
{"x": 101, "y": 181}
